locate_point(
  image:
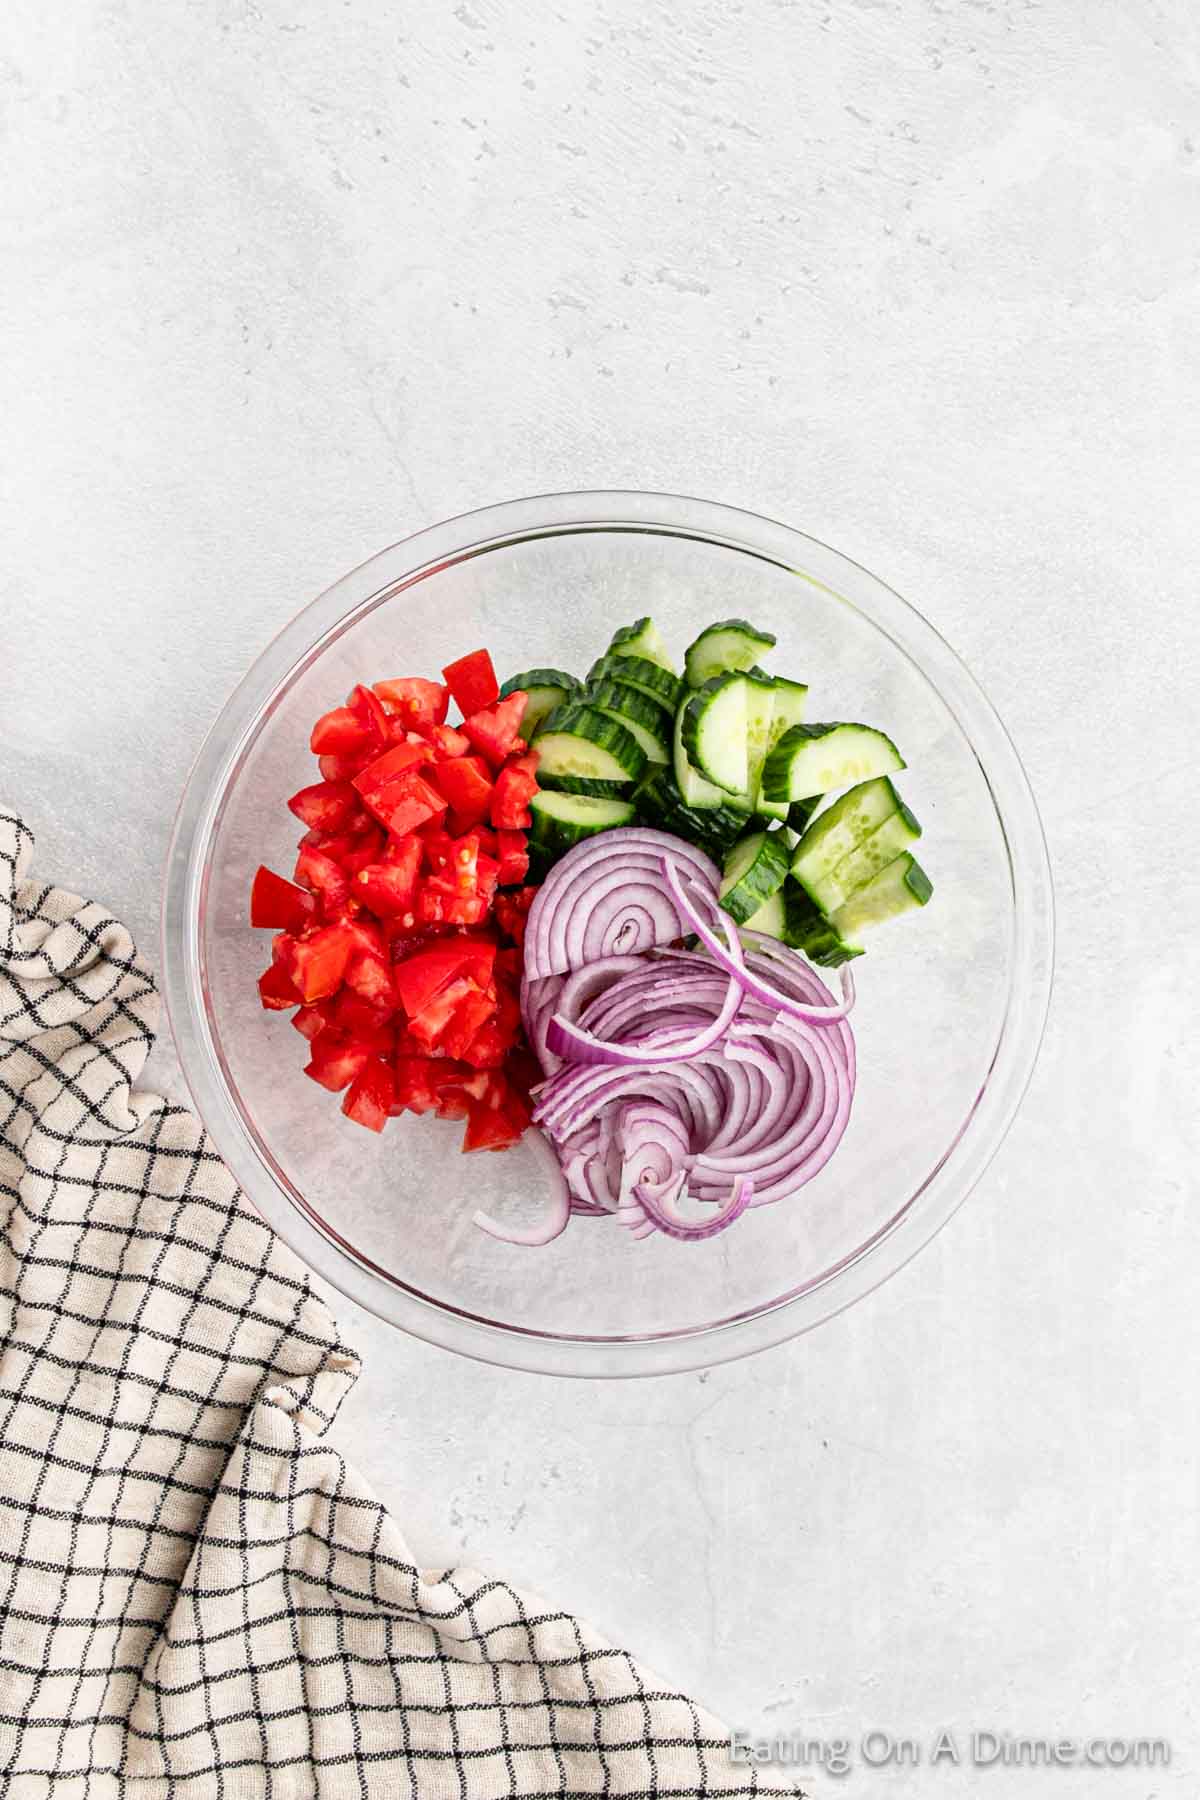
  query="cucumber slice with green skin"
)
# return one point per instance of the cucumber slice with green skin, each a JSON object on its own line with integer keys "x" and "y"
{"x": 649, "y": 677}
{"x": 730, "y": 644}
{"x": 546, "y": 688}
{"x": 649, "y": 721}
{"x": 899, "y": 888}
{"x": 790, "y": 699}
{"x": 577, "y": 739}
{"x": 813, "y": 759}
{"x": 823, "y": 940}
{"x": 642, "y": 638}
{"x": 714, "y": 732}
{"x": 700, "y": 795}
{"x": 800, "y": 812}
{"x": 893, "y": 838}
{"x": 582, "y": 784}
{"x": 755, "y": 869}
{"x": 760, "y": 716}
{"x": 838, "y": 832}
{"x": 561, "y": 820}
{"x": 661, "y": 804}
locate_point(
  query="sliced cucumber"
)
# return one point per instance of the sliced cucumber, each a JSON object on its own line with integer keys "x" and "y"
{"x": 579, "y": 740}
{"x": 560, "y": 820}
{"x": 800, "y": 812}
{"x": 823, "y": 940}
{"x": 660, "y": 802}
{"x": 897, "y": 889}
{"x": 648, "y": 720}
{"x": 813, "y": 759}
{"x": 839, "y": 831}
{"x": 642, "y": 638}
{"x": 760, "y": 715}
{"x": 582, "y": 784}
{"x": 714, "y": 732}
{"x": 547, "y": 688}
{"x": 893, "y": 838}
{"x": 755, "y": 869}
{"x": 700, "y": 795}
{"x": 790, "y": 698}
{"x": 650, "y": 677}
{"x": 731, "y": 644}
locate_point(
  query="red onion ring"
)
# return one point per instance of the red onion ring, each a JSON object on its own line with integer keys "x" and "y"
{"x": 558, "y": 1215}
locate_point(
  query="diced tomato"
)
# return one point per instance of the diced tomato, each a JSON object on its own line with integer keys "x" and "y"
{"x": 316, "y": 870}
{"x": 277, "y": 990}
{"x": 510, "y": 800}
{"x": 428, "y": 1025}
{"x": 335, "y": 1059}
{"x": 310, "y": 1021}
{"x": 371, "y": 710}
{"x": 466, "y": 783}
{"x": 490, "y": 1125}
{"x": 472, "y": 1012}
{"x": 493, "y": 730}
{"x": 320, "y": 961}
{"x": 369, "y": 1101}
{"x": 406, "y": 804}
{"x": 512, "y": 910}
{"x": 369, "y": 973}
{"x": 419, "y": 977}
{"x": 276, "y": 903}
{"x": 366, "y": 850}
{"x": 446, "y": 741}
{"x": 400, "y": 760}
{"x": 513, "y": 857}
{"x": 342, "y": 732}
{"x": 359, "y": 1018}
{"x": 525, "y": 760}
{"x": 389, "y": 888}
{"x": 472, "y": 681}
{"x": 326, "y": 806}
{"x": 341, "y": 768}
{"x": 414, "y": 701}
{"x": 509, "y": 967}
{"x": 414, "y": 1087}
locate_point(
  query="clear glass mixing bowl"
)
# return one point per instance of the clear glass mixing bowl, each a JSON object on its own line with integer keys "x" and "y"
{"x": 951, "y": 1004}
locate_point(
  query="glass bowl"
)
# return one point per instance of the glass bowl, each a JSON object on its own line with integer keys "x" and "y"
{"x": 951, "y": 1004}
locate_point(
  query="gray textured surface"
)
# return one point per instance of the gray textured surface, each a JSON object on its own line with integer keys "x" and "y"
{"x": 286, "y": 280}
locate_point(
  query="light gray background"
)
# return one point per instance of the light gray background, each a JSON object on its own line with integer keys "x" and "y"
{"x": 286, "y": 279}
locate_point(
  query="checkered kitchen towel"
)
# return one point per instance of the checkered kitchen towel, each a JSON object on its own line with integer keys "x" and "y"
{"x": 197, "y": 1596}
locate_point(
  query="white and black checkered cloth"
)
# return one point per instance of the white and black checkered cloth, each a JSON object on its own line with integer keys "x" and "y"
{"x": 197, "y": 1596}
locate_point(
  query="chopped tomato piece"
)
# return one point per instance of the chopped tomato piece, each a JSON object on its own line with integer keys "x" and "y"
{"x": 276, "y": 903}
{"x": 472, "y": 1012}
{"x": 310, "y": 1021}
{"x": 365, "y": 850}
{"x": 387, "y": 888}
{"x": 472, "y": 681}
{"x": 370, "y": 708}
{"x": 414, "y": 1087}
{"x": 342, "y": 732}
{"x": 446, "y": 741}
{"x": 493, "y": 730}
{"x": 341, "y": 768}
{"x": 513, "y": 857}
{"x": 360, "y": 1018}
{"x": 369, "y": 1101}
{"x": 490, "y": 1126}
{"x": 320, "y": 961}
{"x": 466, "y": 783}
{"x": 336, "y": 1058}
{"x": 400, "y": 760}
{"x": 369, "y": 973}
{"x": 418, "y": 978}
{"x": 414, "y": 701}
{"x": 428, "y": 1025}
{"x": 406, "y": 804}
{"x": 512, "y": 911}
{"x": 510, "y": 800}
{"x": 277, "y": 990}
{"x": 326, "y": 806}
{"x": 316, "y": 870}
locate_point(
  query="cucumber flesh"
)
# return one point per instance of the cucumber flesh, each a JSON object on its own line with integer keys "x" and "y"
{"x": 698, "y": 794}
{"x": 893, "y": 838}
{"x": 730, "y": 644}
{"x": 648, "y": 721}
{"x": 755, "y": 869}
{"x": 582, "y": 784}
{"x": 546, "y": 688}
{"x": 839, "y": 831}
{"x": 649, "y": 677}
{"x": 788, "y": 710}
{"x": 760, "y": 716}
{"x": 642, "y": 638}
{"x": 823, "y": 940}
{"x": 714, "y": 732}
{"x": 897, "y": 889}
{"x": 660, "y": 802}
{"x": 561, "y": 820}
{"x": 578, "y": 740}
{"x": 814, "y": 759}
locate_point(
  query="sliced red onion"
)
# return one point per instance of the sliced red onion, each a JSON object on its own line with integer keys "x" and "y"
{"x": 574, "y": 1043}
{"x": 609, "y": 897}
{"x": 827, "y": 1014}
{"x": 558, "y": 1214}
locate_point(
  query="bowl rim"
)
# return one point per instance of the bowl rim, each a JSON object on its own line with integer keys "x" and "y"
{"x": 413, "y": 559}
